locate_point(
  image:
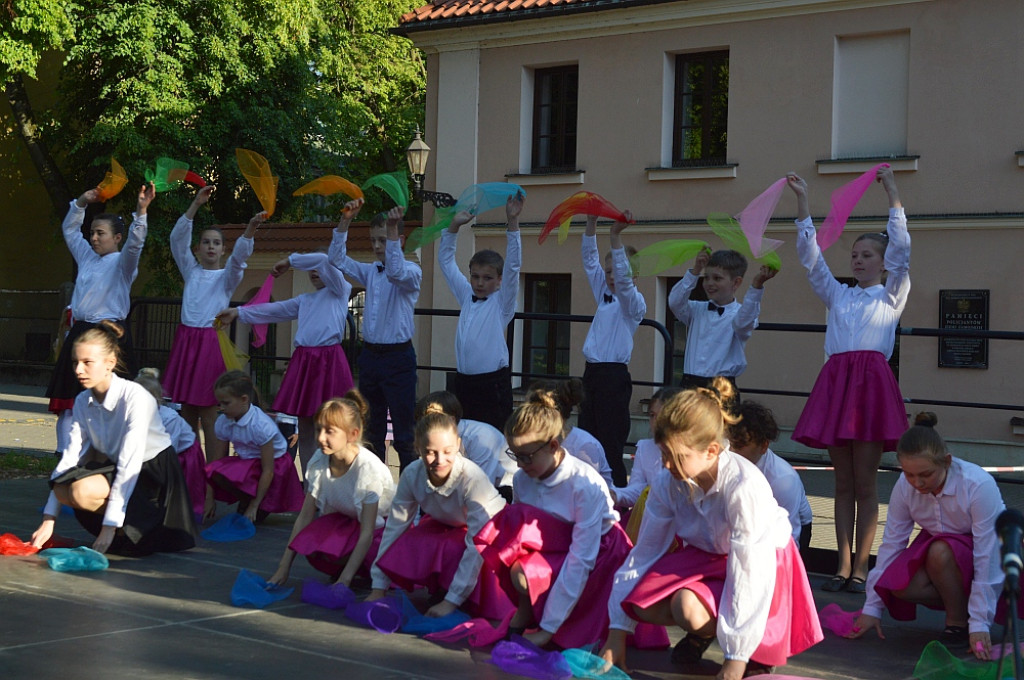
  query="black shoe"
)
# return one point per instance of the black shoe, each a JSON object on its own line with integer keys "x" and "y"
{"x": 690, "y": 649}
{"x": 954, "y": 636}
{"x": 757, "y": 668}
{"x": 835, "y": 584}
{"x": 855, "y": 584}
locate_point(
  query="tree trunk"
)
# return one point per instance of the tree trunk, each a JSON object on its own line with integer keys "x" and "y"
{"x": 24, "y": 122}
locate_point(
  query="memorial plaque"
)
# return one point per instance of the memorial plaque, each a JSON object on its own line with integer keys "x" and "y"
{"x": 963, "y": 309}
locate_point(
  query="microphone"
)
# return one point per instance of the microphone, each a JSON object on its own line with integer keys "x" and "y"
{"x": 1010, "y": 529}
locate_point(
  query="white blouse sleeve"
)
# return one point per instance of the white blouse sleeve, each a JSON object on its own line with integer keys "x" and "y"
{"x": 141, "y": 411}
{"x": 898, "y": 527}
{"x": 656, "y": 535}
{"x": 749, "y": 572}
{"x": 457, "y": 283}
{"x": 404, "y": 509}
{"x": 591, "y": 500}
{"x": 985, "y": 505}
{"x": 481, "y": 501}
{"x": 823, "y": 283}
{"x": 897, "y": 260}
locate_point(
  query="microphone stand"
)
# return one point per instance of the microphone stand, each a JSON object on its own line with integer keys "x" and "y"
{"x": 1011, "y": 591}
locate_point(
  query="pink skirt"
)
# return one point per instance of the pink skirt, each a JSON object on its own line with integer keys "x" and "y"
{"x": 429, "y": 554}
{"x": 193, "y": 467}
{"x": 540, "y": 543}
{"x": 792, "y": 618}
{"x": 193, "y": 367}
{"x": 855, "y": 398}
{"x": 898, "y": 574}
{"x": 314, "y": 375}
{"x": 284, "y": 495}
{"x": 328, "y": 541}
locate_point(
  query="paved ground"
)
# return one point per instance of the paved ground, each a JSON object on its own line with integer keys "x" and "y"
{"x": 169, "y": 616}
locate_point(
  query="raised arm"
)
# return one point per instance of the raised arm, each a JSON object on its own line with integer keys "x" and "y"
{"x": 338, "y": 251}
{"x": 630, "y": 299}
{"x": 72, "y": 227}
{"x": 592, "y": 259}
{"x": 897, "y": 254}
{"x": 745, "y": 321}
{"x": 400, "y": 271}
{"x": 509, "y": 290}
{"x": 132, "y": 251}
{"x": 457, "y": 283}
{"x": 819, "y": 275}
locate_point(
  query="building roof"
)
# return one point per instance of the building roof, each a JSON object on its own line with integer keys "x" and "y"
{"x": 456, "y": 13}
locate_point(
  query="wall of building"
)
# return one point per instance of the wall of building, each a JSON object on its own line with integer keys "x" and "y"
{"x": 961, "y": 185}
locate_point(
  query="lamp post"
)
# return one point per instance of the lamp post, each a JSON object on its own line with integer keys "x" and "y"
{"x": 417, "y": 154}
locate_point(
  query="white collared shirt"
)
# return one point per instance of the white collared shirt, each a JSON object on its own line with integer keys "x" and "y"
{"x": 581, "y": 444}
{"x": 480, "y": 345}
{"x": 467, "y": 499}
{"x": 788, "y": 490}
{"x": 860, "y": 318}
{"x": 322, "y": 315}
{"x": 391, "y": 293}
{"x": 610, "y": 338}
{"x": 103, "y": 285}
{"x": 715, "y": 342}
{"x": 738, "y": 517}
{"x": 968, "y": 504}
{"x": 181, "y": 434}
{"x": 646, "y": 465}
{"x": 367, "y": 481}
{"x": 485, "y": 445}
{"x": 576, "y": 494}
{"x": 207, "y": 291}
{"x": 126, "y": 428}
{"x": 250, "y": 433}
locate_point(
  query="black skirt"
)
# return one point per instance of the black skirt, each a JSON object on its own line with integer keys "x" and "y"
{"x": 159, "y": 516}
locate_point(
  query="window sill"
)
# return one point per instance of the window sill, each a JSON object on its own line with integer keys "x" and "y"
{"x": 551, "y": 178}
{"x": 1020, "y": 159}
{"x": 857, "y": 165}
{"x": 697, "y": 172}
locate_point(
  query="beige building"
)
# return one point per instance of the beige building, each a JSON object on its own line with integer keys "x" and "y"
{"x": 676, "y": 109}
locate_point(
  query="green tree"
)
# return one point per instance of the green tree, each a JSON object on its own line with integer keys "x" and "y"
{"x": 29, "y": 29}
{"x": 315, "y": 86}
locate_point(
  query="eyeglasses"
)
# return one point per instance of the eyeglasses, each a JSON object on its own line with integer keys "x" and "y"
{"x": 525, "y": 458}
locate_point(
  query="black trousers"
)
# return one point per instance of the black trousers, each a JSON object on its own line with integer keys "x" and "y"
{"x": 486, "y": 397}
{"x": 607, "y": 391}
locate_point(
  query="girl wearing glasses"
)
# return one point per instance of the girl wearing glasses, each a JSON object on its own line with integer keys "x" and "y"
{"x": 560, "y": 537}
{"x": 457, "y": 499}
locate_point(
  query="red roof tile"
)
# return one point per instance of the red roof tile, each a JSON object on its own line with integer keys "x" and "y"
{"x": 445, "y": 13}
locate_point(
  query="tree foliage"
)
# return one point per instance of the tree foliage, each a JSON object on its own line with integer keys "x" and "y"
{"x": 315, "y": 86}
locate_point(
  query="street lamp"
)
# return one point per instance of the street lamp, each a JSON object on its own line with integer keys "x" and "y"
{"x": 417, "y": 154}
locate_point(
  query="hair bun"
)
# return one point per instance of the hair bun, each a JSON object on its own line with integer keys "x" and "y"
{"x": 926, "y": 419}
{"x": 149, "y": 372}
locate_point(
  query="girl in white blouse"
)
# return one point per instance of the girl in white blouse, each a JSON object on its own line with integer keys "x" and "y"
{"x": 855, "y": 409}
{"x": 557, "y": 546}
{"x": 720, "y": 508}
{"x": 120, "y": 472}
{"x": 350, "y": 488}
{"x": 953, "y": 564}
{"x": 261, "y": 477}
{"x": 195, "y": 361}
{"x": 437, "y": 552}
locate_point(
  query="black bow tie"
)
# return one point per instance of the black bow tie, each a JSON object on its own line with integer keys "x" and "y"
{"x": 478, "y": 299}
{"x": 712, "y": 307}
{"x": 608, "y": 298}
{"x": 380, "y": 266}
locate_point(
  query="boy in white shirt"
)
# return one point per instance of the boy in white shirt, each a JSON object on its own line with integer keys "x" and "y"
{"x": 717, "y": 329}
{"x": 483, "y": 383}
